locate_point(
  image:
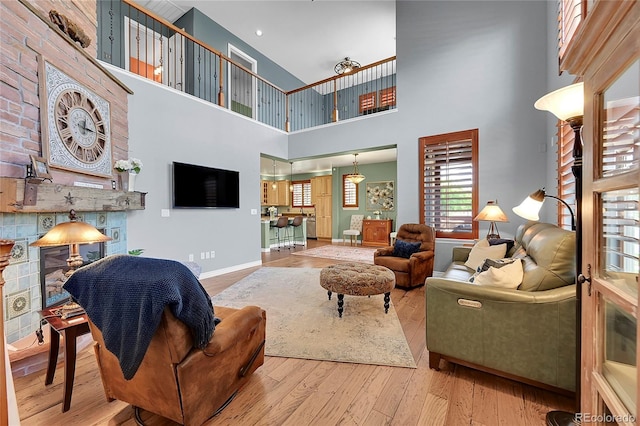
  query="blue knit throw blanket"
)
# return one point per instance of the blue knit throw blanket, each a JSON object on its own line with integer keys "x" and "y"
{"x": 125, "y": 295}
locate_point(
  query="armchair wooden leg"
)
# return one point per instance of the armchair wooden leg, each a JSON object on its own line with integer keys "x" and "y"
{"x": 434, "y": 361}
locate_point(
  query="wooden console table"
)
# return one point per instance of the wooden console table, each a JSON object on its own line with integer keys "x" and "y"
{"x": 375, "y": 232}
{"x": 70, "y": 329}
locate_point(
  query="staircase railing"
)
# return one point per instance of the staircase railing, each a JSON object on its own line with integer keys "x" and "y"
{"x": 143, "y": 43}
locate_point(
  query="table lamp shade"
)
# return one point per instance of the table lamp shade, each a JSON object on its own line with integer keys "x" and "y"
{"x": 492, "y": 212}
{"x": 71, "y": 233}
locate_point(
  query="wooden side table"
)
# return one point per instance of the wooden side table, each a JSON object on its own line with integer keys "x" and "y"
{"x": 375, "y": 232}
{"x": 70, "y": 330}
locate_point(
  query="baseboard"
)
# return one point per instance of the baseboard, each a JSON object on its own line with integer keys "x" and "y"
{"x": 234, "y": 268}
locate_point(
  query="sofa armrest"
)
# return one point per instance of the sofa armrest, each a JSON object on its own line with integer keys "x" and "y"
{"x": 383, "y": 251}
{"x": 524, "y": 334}
{"x": 460, "y": 254}
{"x": 234, "y": 328}
{"x": 497, "y": 294}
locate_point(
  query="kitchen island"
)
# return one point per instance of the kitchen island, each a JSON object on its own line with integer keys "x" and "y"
{"x": 269, "y": 233}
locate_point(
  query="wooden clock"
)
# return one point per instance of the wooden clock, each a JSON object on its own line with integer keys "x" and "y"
{"x": 76, "y": 125}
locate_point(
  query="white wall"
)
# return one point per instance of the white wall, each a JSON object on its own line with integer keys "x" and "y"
{"x": 461, "y": 65}
{"x": 167, "y": 126}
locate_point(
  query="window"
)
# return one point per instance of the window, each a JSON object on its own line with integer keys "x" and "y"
{"x": 367, "y": 102}
{"x": 349, "y": 193}
{"x": 388, "y": 97}
{"x": 301, "y": 194}
{"x": 570, "y": 14}
{"x": 448, "y": 185}
{"x": 566, "y": 180}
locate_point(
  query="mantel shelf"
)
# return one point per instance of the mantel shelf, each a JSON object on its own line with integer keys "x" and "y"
{"x": 46, "y": 197}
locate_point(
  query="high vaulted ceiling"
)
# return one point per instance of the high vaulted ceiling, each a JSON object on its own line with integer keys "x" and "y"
{"x": 307, "y": 38}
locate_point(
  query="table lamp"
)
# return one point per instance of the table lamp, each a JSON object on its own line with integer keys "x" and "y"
{"x": 73, "y": 233}
{"x": 492, "y": 213}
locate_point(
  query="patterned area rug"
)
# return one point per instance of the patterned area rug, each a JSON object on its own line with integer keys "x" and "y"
{"x": 349, "y": 253}
{"x": 303, "y": 323}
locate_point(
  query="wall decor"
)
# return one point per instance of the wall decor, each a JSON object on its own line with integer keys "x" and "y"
{"x": 19, "y": 252}
{"x": 76, "y": 124}
{"x": 40, "y": 168}
{"x": 18, "y": 304}
{"x": 46, "y": 221}
{"x": 380, "y": 196}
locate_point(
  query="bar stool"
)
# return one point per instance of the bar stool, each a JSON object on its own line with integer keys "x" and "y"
{"x": 283, "y": 222}
{"x": 297, "y": 221}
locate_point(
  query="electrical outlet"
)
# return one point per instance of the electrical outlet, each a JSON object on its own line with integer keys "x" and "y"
{"x": 202, "y": 255}
{"x": 213, "y": 254}
{"x": 191, "y": 258}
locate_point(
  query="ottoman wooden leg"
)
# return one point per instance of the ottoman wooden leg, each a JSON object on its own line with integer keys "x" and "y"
{"x": 329, "y": 294}
{"x": 340, "y": 304}
{"x": 386, "y": 302}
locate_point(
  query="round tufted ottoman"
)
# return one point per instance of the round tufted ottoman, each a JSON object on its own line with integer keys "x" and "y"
{"x": 357, "y": 279}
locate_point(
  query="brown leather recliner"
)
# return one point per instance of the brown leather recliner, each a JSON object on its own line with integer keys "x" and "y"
{"x": 413, "y": 271}
{"x": 180, "y": 382}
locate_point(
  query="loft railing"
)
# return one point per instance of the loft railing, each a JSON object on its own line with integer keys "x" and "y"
{"x": 367, "y": 90}
{"x": 138, "y": 41}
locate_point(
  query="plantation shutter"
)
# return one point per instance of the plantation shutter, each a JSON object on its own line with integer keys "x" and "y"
{"x": 301, "y": 194}
{"x": 570, "y": 14}
{"x": 448, "y": 188}
{"x": 566, "y": 180}
{"x": 349, "y": 193}
{"x": 367, "y": 101}
{"x": 619, "y": 150}
{"x": 388, "y": 96}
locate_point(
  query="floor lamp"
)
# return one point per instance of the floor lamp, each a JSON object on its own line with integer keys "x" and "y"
{"x": 567, "y": 104}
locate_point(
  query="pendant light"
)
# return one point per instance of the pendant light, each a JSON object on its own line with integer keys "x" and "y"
{"x": 355, "y": 177}
{"x": 291, "y": 177}
{"x": 274, "y": 185}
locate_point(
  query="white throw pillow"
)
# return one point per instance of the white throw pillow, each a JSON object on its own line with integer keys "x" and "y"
{"x": 509, "y": 276}
{"x": 481, "y": 251}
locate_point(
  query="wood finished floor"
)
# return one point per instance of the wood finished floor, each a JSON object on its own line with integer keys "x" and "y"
{"x": 286, "y": 391}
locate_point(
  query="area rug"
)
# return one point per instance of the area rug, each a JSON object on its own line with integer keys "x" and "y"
{"x": 349, "y": 253}
{"x": 303, "y": 323}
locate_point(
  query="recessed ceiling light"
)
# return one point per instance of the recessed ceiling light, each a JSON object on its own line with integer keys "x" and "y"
{"x": 258, "y": 33}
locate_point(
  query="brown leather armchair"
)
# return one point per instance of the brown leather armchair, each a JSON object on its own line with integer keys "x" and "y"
{"x": 413, "y": 271}
{"x": 185, "y": 384}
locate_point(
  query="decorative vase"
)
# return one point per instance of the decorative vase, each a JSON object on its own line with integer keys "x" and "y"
{"x": 132, "y": 182}
{"x": 377, "y": 217}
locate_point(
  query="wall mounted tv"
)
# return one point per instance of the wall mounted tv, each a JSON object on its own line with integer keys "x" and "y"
{"x": 205, "y": 187}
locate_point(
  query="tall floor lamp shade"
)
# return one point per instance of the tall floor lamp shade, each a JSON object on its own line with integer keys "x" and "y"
{"x": 567, "y": 104}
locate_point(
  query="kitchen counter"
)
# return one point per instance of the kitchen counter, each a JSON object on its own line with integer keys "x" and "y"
{"x": 269, "y": 234}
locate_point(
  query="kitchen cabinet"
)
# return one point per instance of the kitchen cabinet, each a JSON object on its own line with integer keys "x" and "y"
{"x": 274, "y": 197}
{"x": 375, "y": 232}
{"x": 322, "y": 200}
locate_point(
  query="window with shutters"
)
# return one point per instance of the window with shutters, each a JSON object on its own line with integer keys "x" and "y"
{"x": 301, "y": 194}
{"x": 566, "y": 180}
{"x": 448, "y": 183}
{"x": 367, "y": 102}
{"x": 349, "y": 193}
{"x": 388, "y": 97}
{"x": 570, "y": 14}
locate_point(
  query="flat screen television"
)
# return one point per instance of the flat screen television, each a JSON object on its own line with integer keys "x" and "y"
{"x": 205, "y": 187}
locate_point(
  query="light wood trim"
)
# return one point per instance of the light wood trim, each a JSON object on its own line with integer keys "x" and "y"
{"x": 611, "y": 399}
{"x": 50, "y": 197}
{"x": 594, "y": 32}
{"x": 198, "y": 42}
{"x": 337, "y": 77}
{"x": 5, "y": 251}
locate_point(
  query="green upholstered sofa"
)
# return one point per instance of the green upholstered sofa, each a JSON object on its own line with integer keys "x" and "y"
{"x": 527, "y": 334}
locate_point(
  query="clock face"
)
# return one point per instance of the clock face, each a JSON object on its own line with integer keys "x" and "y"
{"x": 80, "y": 126}
{"x": 78, "y": 123}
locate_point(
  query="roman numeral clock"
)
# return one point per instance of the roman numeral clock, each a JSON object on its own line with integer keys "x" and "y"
{"x": 78, "y": 130}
